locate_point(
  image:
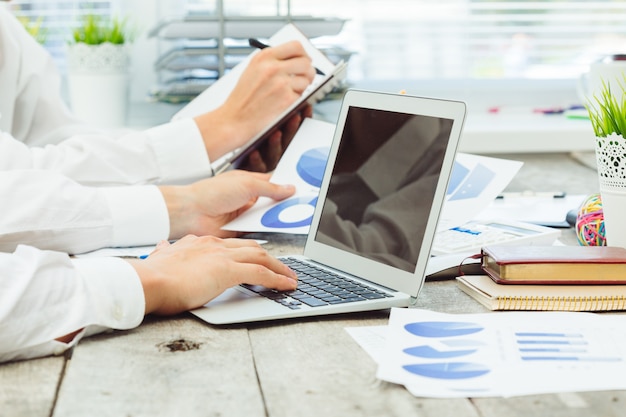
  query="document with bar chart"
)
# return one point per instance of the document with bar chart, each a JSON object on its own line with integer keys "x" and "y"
{"x": 503, "y": 354}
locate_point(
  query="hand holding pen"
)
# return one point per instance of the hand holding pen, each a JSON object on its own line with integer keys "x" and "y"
{"x": 255, "y": 43}
{"x": 273, "y": 80}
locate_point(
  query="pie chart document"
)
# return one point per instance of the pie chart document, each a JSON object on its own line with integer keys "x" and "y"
{"x": 503, "y": 354}
{"x": 302, "y": 165}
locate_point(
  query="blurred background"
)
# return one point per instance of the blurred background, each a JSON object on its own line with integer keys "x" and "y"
{"x": 491, "y": 52}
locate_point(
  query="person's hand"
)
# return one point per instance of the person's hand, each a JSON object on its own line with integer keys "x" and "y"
{"x": 203, "y": 207}
{"x": 269, "y": 153}
{"x": 273, "y": 80}
{"x": 194, "y": 270}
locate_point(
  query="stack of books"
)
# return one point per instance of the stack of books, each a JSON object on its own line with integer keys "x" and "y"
{"x": 550, "y": 278}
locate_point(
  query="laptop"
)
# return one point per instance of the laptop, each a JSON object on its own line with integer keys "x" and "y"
{"x": 382, "y": 189}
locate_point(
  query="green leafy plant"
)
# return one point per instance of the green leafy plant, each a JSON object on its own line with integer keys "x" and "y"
{"x": 608, "y": 114}
{"x": 94, "y": 30}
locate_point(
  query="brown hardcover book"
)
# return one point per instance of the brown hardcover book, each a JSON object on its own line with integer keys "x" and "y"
{"x": 555, "y": 264}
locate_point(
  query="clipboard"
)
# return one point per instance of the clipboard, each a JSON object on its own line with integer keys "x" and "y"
{"x": 218, "y": 92}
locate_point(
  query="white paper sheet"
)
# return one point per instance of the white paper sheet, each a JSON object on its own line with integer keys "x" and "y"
{"x": 302, "y": 165}
{"x": 475, "y": 182}
{"x": 502, "y": 354}
{"x": 130, "y": 252}
{"x": 372, "y": 339}
{"x": 538, "y": 209}
{"x": 127, "y": 252}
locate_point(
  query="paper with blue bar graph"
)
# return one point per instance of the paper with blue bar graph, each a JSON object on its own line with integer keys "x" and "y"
{"x": 503, "y": 354}
{"x": 475, "y": 182}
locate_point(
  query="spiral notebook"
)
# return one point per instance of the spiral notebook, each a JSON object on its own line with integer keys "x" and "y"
{"x": 543, "y": 297}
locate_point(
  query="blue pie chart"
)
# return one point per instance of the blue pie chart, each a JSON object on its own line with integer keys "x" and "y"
{"x": 442, "y": 328}
{"x": 311, "y": 165}
{"x": 448, "y": 370}
{"x": 275, "y": 217}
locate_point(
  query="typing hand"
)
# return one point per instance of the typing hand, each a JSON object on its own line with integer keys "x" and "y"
{"x": 194, "y": 270}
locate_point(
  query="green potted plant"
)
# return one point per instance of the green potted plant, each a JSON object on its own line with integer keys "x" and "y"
{"x": 95, "y": 31}
{"x": 98, "y": 62}
{"x": 607, "y": 111}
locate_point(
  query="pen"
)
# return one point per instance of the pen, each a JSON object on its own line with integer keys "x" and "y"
{"x": 559, "y": 110}
{"x": 547, "y": 194}
{"x": 259, "y": 241}
{"x": 577, "y": 116}
{"x": 255, "y": 43}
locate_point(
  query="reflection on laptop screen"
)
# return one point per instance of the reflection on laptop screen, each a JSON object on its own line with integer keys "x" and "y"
{"x": 382, "y": 185}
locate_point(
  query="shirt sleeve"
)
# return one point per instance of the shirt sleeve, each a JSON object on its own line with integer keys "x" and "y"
{"x": 167, "y": 154}
{"x": 45, "y": 295}
{"x": 40, "y": 132}
{"x": 50, "y": 211}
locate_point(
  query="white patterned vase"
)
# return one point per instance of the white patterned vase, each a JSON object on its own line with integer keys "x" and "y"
{"x": 611, "y": 163}
{"x": 98, "y": 83}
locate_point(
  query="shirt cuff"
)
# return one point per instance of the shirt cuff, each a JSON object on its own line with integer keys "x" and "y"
{"x": 139, "y": 215}
{"x": 180, "y": 151}
{"x": 115, "y": 300}
{"x": 115, "y": 291}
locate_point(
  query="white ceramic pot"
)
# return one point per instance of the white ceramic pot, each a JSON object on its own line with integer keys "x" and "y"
{"x": 611, "y": 161}
{"x": 98, "y": 83}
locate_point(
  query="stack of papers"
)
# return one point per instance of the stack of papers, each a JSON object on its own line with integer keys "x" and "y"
{"x": 476, "y": 181}
{"x": 539, "y": 208}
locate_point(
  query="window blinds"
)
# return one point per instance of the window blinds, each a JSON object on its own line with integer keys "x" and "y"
{"x": 57, "y": 19}
{"x": 463, "y": 38}
{"x": 425, "y": 39}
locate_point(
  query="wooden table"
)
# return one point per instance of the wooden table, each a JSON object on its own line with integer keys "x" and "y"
{"x": 181, "y": 366}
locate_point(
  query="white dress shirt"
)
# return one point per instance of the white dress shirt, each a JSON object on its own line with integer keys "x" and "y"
{"x": 33, "y": 116}
{"x": 49, "y": 211}
{"x": 45, "y": 295}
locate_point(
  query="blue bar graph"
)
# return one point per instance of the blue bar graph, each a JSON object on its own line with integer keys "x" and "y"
{"x": 552, "y": 342}
{"x": 544, "y": 334}
{"x": 573, "y": 358}
{"x": 563, "y": 350}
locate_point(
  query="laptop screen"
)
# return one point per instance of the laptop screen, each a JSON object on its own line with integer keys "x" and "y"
{"x": 382, "y": 185}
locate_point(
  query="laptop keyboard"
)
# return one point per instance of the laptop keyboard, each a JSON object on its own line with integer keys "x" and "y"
{"x": 318, "y": 287}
